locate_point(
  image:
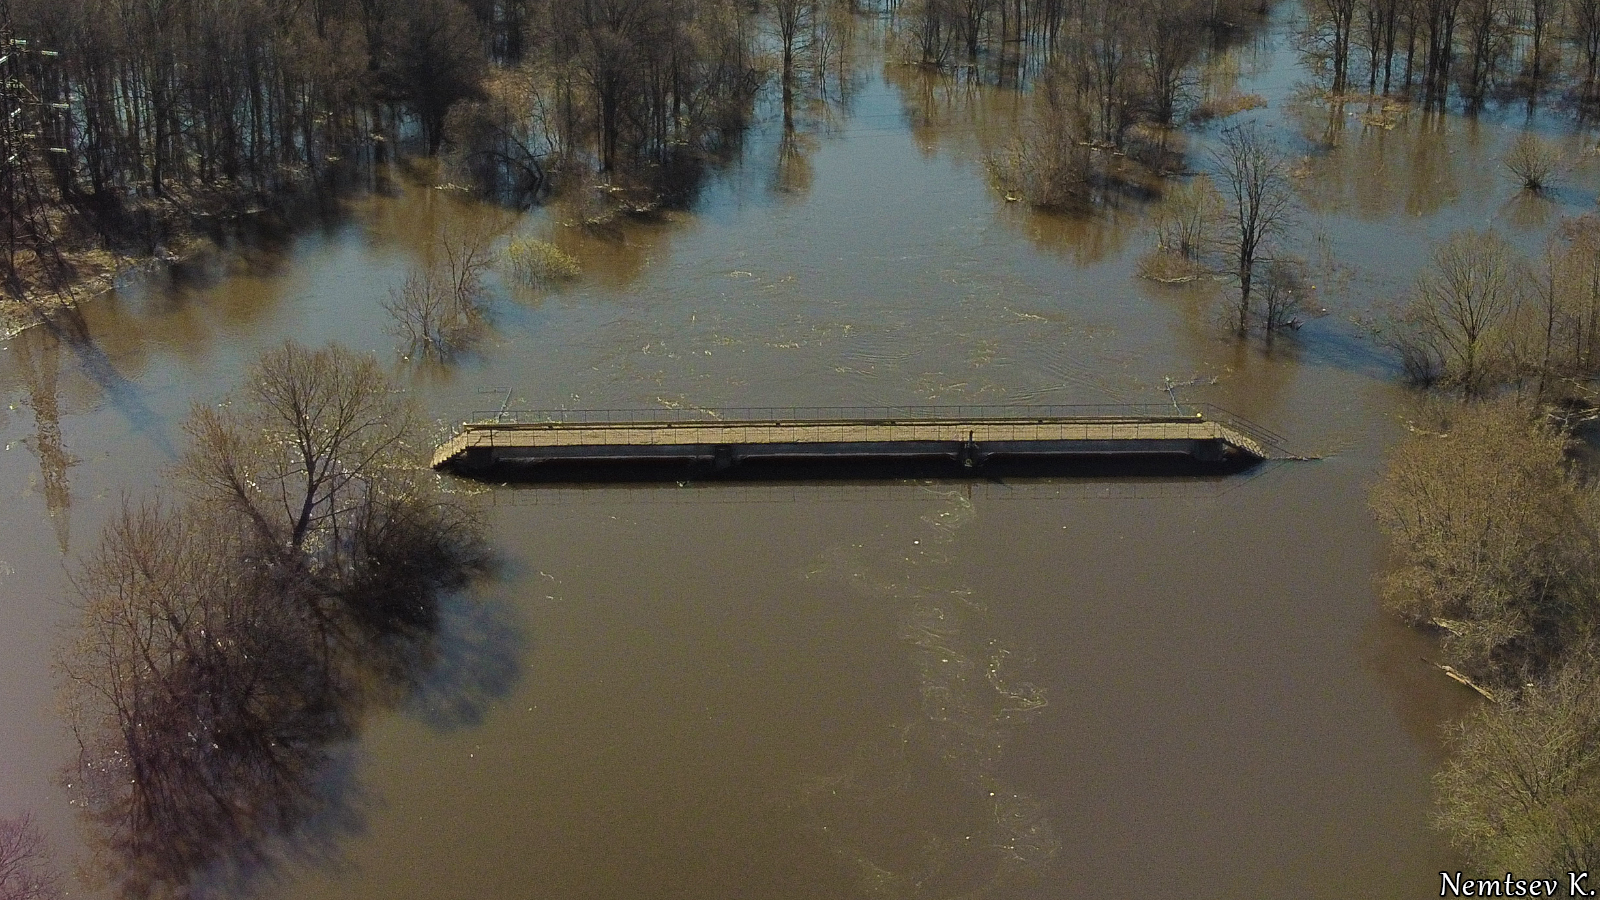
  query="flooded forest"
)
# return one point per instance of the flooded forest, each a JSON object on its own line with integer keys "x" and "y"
{"x": 264, "y": 256}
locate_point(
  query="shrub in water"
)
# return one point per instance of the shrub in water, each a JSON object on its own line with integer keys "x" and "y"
{"x": 540, "y": 263}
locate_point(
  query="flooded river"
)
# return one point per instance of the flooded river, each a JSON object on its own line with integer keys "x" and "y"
{"x": 1041, "y": 688}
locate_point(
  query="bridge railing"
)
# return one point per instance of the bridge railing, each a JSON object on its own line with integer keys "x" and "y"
{"x": 1270, "y": 441}
{"x": 913, "y": 413}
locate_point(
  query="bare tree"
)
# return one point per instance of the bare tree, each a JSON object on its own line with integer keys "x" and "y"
{"x": 297, "y": 454}
{"x": 1049, "y": 164}
{"x": 794, "y": 21}
{"x": 1458, "y": 327}
{"x": 1188, "y": 218}
{"x": 1563, "y": 320}
{"x": 25, "y": 871}
{"x": 1534, "y": 161}
{"x": 1575, "y": 282}
{"x": 318, "y": 458}
{"x": 432, "y": 61}
{"x": 228, "y": 641}
{"x": 1521, "y": 791}
{"x": 1253, "y": 173}
{"x": 1540, "y": 15}
{"x": 440, "y": 308}
{"x": 1284, "y": 294}
{"x": 201, "y": 701}
{"x": 1489, "y": 540}
{"x": 1332, "y": 24}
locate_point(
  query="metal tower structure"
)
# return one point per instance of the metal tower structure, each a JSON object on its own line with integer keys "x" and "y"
{"x": 23, "y": 118}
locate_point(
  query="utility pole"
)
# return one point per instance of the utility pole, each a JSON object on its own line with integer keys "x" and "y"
{"x": 23, "y": 114}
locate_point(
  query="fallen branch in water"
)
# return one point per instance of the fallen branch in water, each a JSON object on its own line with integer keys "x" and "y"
{"x": 1455, "y": 674}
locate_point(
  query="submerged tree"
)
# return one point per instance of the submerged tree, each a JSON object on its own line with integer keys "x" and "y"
{"x": 202, "y": 700}
{"x": 645, "y": 82}
{"x": 440, "y": 308}
{"x": 1436, "y": 46}
{"x": 793, "y": 20}
{"x": 1284, "y": 294}
{"x": 1584, "y": 22}
{"x": 229, "y": 639}
{"x": 1486, "y": 45}
{"x": 1253, "y": 173}
{"x": 1540, "y": 16}
{"x": 1167, "y": 50}
{"x": 1521, "y": 791}
{"x": 1186, "y": 232}
{"x": 536, "y": 263}
{"x": 166, "y": 108}
{"x": 1380, "y": 25}
{"x": 1491, "y": 541}
{"x": 1331, "y": 36}
{"x": 1459, "y": 327}
{"x": 1534, "y": 161}
{"x": 430, "y": 316}
{"x": 1049, "y": 165}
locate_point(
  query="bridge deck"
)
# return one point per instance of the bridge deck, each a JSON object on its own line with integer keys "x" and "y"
{"x": 726, "y": 442}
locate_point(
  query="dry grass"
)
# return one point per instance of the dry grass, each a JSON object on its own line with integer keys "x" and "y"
{"x": 1225, "y": 106}
{"x": 1169, "y": 267}
{"x": 88, "y": 272}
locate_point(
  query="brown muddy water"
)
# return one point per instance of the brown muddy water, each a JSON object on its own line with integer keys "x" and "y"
{"x": 1039, "y": 688}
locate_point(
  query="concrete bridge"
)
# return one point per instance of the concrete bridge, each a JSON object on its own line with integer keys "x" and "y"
{"x": 595, "y": 444}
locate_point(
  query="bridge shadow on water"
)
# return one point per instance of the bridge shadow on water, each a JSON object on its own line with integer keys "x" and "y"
{"x": 1120, "y": 466}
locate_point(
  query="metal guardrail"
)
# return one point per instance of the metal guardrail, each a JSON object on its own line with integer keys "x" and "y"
{"x": 757, "y": 433}
{"x": 1267, "y": 438}
{"x": 913, "y": 413}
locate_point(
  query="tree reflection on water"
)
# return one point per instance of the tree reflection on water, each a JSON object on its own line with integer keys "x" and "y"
{"x": 26, "y": 872}
{"x": 233, "y": 639}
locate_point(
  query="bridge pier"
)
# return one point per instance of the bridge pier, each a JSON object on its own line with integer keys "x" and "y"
{"x": 476, "y": 460}
{"x": 968, "y": 455}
